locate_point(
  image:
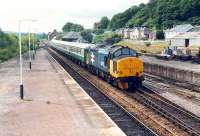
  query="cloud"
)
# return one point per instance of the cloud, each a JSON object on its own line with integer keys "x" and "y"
{"x": 55, "y": 13}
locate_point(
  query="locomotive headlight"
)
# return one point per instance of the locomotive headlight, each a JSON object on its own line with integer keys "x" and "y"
{"x": 131, "y": 70}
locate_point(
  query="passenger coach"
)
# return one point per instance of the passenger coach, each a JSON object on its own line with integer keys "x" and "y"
{"x": 119, "y": 65}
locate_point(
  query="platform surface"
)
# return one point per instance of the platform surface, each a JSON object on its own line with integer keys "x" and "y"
{"x": 54, "y": 104}
{"x": 172, "y": 63}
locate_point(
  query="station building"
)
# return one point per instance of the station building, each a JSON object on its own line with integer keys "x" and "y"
{"x": 186, "y": 39}
{"x": 179, "y": 29}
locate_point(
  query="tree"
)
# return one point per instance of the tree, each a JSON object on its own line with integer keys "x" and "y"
{"x": 72, "y": 27}
{"x": 9, "y": 45}
{"x": 87, "y": 35}
{"x": 159, "y": 14}
{"x": 42, "y": 36}
{"x": 120, "y": 20}
{"x": 98, "y": 31}
{"x": 109, "y": 38}
{"x": 113, "y": 38}
{"x": 102, "y": 24}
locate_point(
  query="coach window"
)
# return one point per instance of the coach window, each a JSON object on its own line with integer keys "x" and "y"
{"x": 82, "y": 52}
{"x": 79, "y": 51}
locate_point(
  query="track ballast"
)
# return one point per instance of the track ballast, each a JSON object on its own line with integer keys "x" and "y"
{"x": 129, "y": 125}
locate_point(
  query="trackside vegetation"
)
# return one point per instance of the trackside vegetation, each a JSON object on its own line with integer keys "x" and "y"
{"x": 9, "y": 46}
{"x": 158, "y": 14}
{"x": 109, "y": 38}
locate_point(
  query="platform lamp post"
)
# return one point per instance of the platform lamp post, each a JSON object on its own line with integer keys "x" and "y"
{"x": 33, "y": 47}
{"x": 20, "y": 57}
{"x": 29, "y": 48}
{"x": 34, "y": 43}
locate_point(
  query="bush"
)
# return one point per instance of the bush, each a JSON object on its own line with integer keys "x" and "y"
{"x": 10, "y": 48}
{"x": 148, "y": 44}
{"x": 98, "y": 31}
{"x": 98, "y": 39}
{"x": 87, "y": 35}
{"x": 110, "y": 38}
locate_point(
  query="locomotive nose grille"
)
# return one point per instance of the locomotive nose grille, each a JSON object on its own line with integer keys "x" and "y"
{"x": 126, "y": 67}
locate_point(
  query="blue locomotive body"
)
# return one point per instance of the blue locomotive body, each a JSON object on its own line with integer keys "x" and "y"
{"x": 117, "y": 64}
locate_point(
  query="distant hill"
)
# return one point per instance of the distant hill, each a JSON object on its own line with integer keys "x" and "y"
{"x": 159, "y": 14}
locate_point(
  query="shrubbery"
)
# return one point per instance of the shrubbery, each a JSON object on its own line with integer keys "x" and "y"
{"x": 109, "y": 38}
{"x": 9, "y": 47}
{"x": 87, "y": 35}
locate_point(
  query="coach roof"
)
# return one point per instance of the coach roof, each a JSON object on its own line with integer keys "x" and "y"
{"x": 75, "y": 44}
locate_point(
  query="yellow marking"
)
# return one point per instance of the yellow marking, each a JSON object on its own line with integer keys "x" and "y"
{"x": 126, "y": 67}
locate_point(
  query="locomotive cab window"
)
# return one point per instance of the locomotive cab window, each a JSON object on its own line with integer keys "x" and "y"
{"x": 125, "y": 51}
{"x": 133, "y": 53}
{"x": 117, "y": 53}
{"x": 105, "y": 61}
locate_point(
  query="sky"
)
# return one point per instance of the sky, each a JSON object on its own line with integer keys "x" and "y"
{"x": 53, "y": 14}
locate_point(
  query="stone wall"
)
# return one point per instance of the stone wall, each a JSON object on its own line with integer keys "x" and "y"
{"x": 172, "y": 73}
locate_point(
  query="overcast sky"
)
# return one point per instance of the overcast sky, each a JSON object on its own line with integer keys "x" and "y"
{"x": 55, "y": 13}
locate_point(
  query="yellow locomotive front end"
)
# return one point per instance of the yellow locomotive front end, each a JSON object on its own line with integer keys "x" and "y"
{"x": 127, "y": 72}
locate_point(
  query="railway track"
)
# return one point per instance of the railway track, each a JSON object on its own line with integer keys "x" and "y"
{"x": 125, "y": 120}
{"x": 146, "y": 96}
{"x": 182, "y": 92}
{"x": 186, "y": 85}
{"x": 184, "y": 119}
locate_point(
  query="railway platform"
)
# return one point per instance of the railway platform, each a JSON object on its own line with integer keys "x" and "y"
{"x": 175, "y": 70}
{"x": 173, "y": 63}
{"x": 54, "y": 104}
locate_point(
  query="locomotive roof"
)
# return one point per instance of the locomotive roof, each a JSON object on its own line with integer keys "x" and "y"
{"x": 101, "y": 47}
{"x": 75, "y": 44}
{"x": 121, "y": 57}
{"x": 107, "y": 48}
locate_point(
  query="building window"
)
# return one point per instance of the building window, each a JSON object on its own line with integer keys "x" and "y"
{"x": 187, "y": 42}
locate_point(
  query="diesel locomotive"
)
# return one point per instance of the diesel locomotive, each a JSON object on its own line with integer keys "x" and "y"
{"x": 118, "y": 65}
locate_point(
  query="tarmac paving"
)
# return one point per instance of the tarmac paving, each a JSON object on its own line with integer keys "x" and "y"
{"x": 54, "y": 104}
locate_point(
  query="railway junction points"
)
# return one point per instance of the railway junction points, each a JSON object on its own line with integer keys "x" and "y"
{"x": 57, "y": 104}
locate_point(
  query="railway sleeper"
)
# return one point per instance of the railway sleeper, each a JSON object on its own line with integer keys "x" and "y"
{"x": 171, "y": 117}
{"x": 167, "y": 115}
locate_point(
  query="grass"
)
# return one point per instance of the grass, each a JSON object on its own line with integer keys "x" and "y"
{"x": 155, "y": 47}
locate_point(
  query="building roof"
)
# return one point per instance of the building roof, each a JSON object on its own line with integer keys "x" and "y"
{"x": 75, "y": 44}
{"x": 72, "y": 36}
{"x": 53, "y": 34}
{"x": 195, "y": 29}
{"x": 188, "y": 35}
{"x": 181, "y": 28}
